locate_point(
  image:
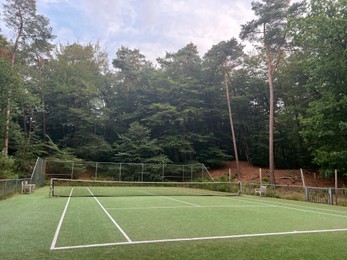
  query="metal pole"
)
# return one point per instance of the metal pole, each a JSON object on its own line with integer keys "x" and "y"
{"x": 120, "y": 172}
{"x": 142, "y": 172}
{"x": 307, "y": 195}
{"x": 163, "y": 173}
{"x": 96, "y": 171}
{"x": 72, "y": 168}
{"x": 336, "y": 182}
{"x": 331, "y": 199}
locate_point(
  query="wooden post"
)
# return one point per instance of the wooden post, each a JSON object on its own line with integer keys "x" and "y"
{"x": 260, "y": 177}
{"x": 302, "y": 178}
{"x": 336, "y": 187}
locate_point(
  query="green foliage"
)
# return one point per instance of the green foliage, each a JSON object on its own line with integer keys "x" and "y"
{"x": 137, "y": 146}
{"x": 7, "y": 168}
{"x": 325, "y": 133}
{"x": 69, "y": 105}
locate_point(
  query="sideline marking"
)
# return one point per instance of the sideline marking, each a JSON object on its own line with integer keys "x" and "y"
{"x": 203, "y": 238}
{"x": 280, "y": 205}
{"x": 302, "y": 206}
{"x": 114, "y": 222}
{"x": 57, "y": 231}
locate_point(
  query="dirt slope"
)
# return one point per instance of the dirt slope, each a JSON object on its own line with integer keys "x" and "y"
{"x": 285, "y": 177}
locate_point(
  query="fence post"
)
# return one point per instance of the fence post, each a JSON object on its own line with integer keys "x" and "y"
{"x": 163, "y": 173}
{"x": 96, "y": 171}
{"x": 336, "y": 182}
{"x": 142, "y": 171}
{"x": 331, "y": 196}
{"x": 307, "y": 194}
{"x": 120, "y": 172}
{"x": 73, "y": 164}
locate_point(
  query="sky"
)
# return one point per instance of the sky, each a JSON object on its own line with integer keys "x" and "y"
{"x": 152, "y": 26}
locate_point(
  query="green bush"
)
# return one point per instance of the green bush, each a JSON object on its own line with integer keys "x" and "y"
{"x": 7, "y": 168}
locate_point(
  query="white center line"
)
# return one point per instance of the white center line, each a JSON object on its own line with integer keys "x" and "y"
{"x": 114, "y": 222}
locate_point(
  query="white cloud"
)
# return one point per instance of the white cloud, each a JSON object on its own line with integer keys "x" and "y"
{"x": 153, "y": 26}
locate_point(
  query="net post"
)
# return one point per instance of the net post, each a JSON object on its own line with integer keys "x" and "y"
{"x": 51, "y": 189}
{"x": 182, "y": 172}
{"x": 191, "y": 172}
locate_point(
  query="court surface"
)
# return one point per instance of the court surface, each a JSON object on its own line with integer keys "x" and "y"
{"x": 143, "y": 219}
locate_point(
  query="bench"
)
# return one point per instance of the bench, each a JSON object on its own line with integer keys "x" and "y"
{"x": 260, "y": 191}
{"x": 27, "y": 187}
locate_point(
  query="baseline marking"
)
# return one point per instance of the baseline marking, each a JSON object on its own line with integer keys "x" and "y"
{"x": 113, "y": 221}
{"x": 204, "y": 238}
{"x": 57, "y": 231}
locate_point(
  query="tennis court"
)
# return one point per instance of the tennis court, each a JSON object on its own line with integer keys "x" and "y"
{"x": 133, "y": 216}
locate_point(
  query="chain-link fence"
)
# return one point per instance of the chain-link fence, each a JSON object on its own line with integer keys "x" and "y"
{"x": 311, "y": 194}
{"x": 127, "y": 171}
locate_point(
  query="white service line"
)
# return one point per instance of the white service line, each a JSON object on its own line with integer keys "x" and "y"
{"x": 181, "y": 201}
{"x": 204, "y": 238}
{"x": 113, "y": 221}
{"x": 57, "y": 231}
{"x": 194, "y": 207}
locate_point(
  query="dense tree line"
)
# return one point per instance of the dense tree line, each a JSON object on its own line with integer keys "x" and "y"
{"x": 67, "y": 102}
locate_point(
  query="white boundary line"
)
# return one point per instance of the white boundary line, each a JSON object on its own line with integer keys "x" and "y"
{"x": 57, "y": 231}
{"x": 302, "y": 206}
{"x": 292, "y": 207}
{"x": 113, "y": 221}
{"x": 194, "y": 207}
{"x": 202, "y": 238}
{"x": 181, "y": 201}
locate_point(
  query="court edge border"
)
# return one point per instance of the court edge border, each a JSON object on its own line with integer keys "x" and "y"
{"x": 200, "y": 238}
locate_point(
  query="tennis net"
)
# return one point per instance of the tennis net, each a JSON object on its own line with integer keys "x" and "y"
{"x": 89, "y": 188}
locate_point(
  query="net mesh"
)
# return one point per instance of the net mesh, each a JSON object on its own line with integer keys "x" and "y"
{"x": 87, "y": 188}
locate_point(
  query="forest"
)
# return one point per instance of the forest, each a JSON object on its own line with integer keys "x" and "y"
{"x": 285, "y": 102}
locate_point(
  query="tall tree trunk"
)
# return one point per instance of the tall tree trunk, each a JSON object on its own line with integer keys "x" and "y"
{"x": 231, "y": 123}
{"x": 271, "y": 118}
{"x": 9, "y": 92}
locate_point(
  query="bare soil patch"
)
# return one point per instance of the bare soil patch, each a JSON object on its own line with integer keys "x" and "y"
{"x": 250, "y": 173}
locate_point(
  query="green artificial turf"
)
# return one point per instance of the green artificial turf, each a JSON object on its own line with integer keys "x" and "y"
{"x": 28, "y": 224}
